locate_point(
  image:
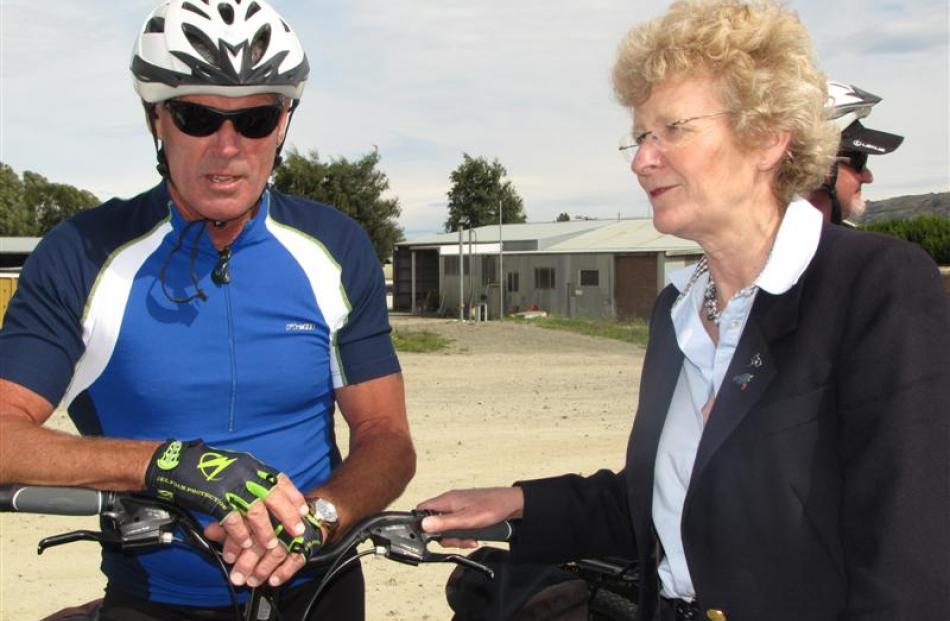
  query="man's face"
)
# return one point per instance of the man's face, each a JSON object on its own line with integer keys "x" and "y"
{"x": 220, "y": 176}
{"x": 848, "y": 186}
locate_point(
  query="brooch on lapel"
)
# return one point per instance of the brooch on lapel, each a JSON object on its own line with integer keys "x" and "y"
{"x": 743, "y": 380}
{"x": 756, "y": 361}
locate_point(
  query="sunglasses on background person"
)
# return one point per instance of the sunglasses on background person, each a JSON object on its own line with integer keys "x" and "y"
{"x": 855, "y": 160}
{"x": 197, "y": 120}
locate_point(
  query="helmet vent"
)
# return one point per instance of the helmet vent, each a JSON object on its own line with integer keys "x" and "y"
{"x": 226, "y": 12}
{"x": 286, "y": 27}
{"x": 252, "y": 9}
{"x": 156, "y": 24}
{"x": 201, "y": 43}
{"x": 190, "y": 7}
{"x": 260, "y": 44}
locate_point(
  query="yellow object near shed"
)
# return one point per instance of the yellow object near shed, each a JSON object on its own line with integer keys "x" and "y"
{"x": 13, "y": 253}
{"x": 8, "y": 284}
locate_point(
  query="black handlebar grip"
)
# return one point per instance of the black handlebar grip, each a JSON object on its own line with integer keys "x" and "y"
{"x": 52, "y": 500}
{"x": 502, "y": 531}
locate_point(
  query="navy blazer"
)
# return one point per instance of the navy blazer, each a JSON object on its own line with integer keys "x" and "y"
{"x": 821, "y": 486}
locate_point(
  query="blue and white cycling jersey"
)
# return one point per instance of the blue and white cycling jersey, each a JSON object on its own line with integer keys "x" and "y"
{"x": 252, "y": 367}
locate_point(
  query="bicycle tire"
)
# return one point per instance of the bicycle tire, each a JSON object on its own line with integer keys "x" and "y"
{"x": 605, "y": 605}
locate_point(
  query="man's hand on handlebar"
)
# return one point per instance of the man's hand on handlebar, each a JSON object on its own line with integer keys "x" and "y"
{"x": 470, "y": 509}
{"x": 243, "y": 494}
{"x": 255, "y": 565}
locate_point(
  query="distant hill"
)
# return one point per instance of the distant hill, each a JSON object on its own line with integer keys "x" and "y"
{"x": 902, "y": 207}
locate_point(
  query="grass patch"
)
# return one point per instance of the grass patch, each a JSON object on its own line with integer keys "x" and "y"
{"x": 636, "y": 331}
{"x": 419, "y": 341}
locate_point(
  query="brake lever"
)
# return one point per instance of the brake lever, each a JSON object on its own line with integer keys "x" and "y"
{"x": 406, "y": 542}
{"x": 73, "y": 536}
{"x": 134, "y": 524}
{"x": 465, "y": 561}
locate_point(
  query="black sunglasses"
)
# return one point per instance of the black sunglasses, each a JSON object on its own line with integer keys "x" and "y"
{"x": 197, "y": 120}
{"x": 854, "y": 159}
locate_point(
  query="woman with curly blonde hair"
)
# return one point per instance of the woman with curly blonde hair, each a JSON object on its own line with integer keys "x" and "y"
{"x": 790, "y": 457}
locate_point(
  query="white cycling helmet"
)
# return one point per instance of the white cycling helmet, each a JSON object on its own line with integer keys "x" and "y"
{"x": 847, "y": 106}
{"x": 217, "y": 47}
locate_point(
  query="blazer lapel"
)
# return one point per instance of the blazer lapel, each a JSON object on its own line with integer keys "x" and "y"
{"x": 661, "y": 369}
{"x": 751, "y": 371}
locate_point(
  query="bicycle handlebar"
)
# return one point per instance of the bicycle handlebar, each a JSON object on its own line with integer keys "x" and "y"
{"x": 398, "y": 535}
{"x": 145, "y": 522}
{"x": 55, "y": 500}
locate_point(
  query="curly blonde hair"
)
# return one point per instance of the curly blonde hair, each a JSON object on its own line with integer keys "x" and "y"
{"x": 763, "y": 58}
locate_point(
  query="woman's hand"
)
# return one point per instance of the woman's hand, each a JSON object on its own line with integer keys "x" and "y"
{"x": 471, "y": 508}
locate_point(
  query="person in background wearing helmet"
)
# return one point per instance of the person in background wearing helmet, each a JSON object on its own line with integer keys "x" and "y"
{"x": 202, "y": 333}
{"x": 839, "y": 198}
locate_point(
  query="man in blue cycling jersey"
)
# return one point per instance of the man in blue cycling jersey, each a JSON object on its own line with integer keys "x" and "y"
{"x": 202, "y": 333}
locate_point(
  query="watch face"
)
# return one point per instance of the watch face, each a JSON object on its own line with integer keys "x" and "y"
{"x": 324, "y": 510}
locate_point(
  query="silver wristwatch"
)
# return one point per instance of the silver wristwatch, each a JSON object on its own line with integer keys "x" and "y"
{"x": 325, "y": 512}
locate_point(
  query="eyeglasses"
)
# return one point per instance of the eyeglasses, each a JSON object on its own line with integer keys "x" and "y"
{"x": 854, "y": 160}
{"x": 664, "y": 137}
{"x": 197, "y": 120}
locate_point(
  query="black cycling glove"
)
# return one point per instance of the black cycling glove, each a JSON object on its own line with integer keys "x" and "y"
{"x": 307, "y": 543}
{"x": 213, "y": 481}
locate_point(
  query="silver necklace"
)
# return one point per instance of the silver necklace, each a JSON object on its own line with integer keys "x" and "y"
{"x": 710, "y": 301}
{"x": 710, "y": 305}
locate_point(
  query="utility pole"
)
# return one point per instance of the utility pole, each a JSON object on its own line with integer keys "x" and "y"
{"x": 501, "y": 268}
{"x": 461, "y": 279}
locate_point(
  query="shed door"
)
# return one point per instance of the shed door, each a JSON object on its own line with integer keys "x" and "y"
{"x": 634, "y": 285}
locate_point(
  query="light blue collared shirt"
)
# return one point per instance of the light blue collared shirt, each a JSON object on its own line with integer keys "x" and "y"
{"x": 704, "y": 366}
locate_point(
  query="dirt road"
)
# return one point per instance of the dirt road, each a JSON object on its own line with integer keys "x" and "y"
{"x": 504, "y": 402}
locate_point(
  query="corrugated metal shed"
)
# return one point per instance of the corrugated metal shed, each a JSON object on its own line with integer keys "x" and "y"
{"x": 593, "y": 268}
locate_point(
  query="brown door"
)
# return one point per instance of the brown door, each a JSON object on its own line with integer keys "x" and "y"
{"x": 634, "y": 285}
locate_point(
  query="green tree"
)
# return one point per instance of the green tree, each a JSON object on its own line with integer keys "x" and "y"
{"x": 34, "y": 205}
{"x": 52, "y": 203}
{"x": 563, "y": 217}
{"x": 355, "y": 188}
{"x": 930, "y": 231}
{"x": 15, "y": 218}
{"x": 478, "y": 188}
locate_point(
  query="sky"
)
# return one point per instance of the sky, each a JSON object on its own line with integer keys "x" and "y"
{"x": 424, "y": 81}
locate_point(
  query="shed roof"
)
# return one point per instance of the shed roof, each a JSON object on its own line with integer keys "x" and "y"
{"x": 511, "y": 232}
{"x": 18, "y": 245}
{"x": 626, "y": 236}
{"x": 635, "y": 235}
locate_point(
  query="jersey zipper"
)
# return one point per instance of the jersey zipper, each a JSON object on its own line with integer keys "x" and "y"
{"x": 231, "y": 349}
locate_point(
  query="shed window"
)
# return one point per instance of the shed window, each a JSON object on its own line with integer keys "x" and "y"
{"x": 544, "y": 278}
{"x": 590, "y": 278}
{"x": 450, "y": 266}
{"x": 489, "y": 269}
{"x": 512, "y": 282}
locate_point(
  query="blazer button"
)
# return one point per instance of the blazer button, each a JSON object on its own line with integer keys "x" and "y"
{"x": 715, "y": 615}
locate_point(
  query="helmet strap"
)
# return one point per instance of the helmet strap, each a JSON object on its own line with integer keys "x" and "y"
{"x": 278, "y": 160}
{"x": 162, "y": 166}
{"x": 152, "y": 115}
{"x": 830, "y": 188}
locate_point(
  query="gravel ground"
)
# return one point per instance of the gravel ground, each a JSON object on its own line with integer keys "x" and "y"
{"x": 504, "y": 402}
